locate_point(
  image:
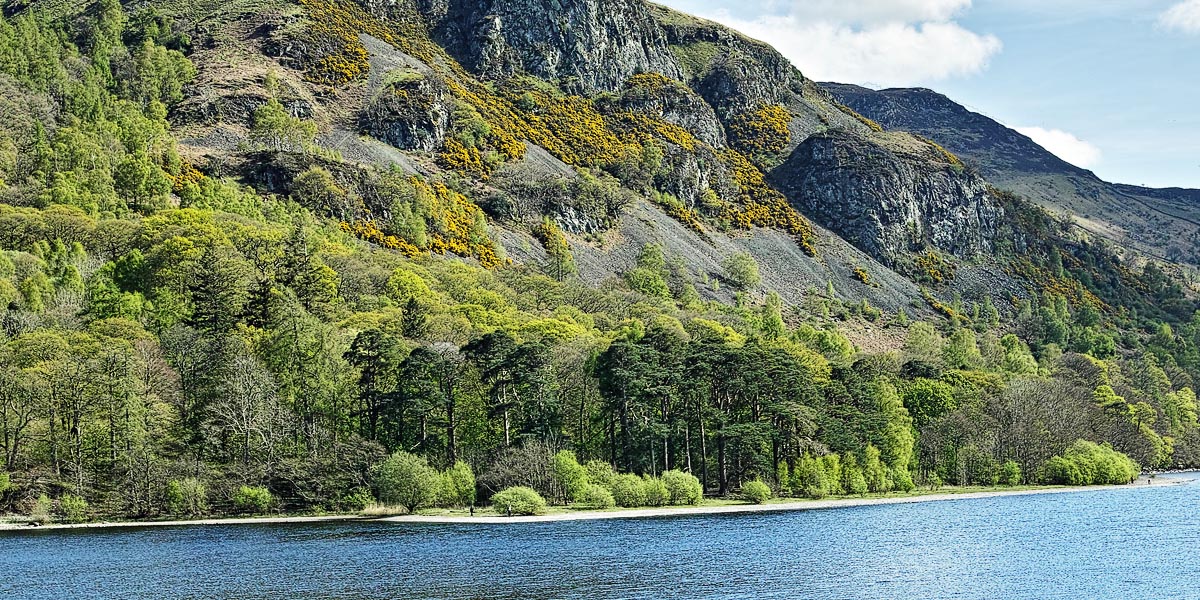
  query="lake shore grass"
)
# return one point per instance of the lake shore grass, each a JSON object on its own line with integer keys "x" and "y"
{"x": 710, "y": 506}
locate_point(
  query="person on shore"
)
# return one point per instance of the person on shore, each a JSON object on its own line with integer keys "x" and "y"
{"x": 472, "y": 510}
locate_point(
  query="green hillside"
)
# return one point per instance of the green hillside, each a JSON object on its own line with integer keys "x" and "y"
{"x": 253, "y": 249}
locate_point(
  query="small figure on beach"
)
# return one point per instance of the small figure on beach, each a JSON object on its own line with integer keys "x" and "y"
{"x": 472, "y": 510}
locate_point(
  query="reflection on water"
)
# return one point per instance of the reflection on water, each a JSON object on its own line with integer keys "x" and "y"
{"x": 1126, "y": 543}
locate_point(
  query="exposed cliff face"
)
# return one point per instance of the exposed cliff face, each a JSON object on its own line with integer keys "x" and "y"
{"x": 731, "y": 71}
{"x": 585, "y": 45}
{"x": 890, "y": 196}
{"x": 1162, "y": 224}
{"x": 410, "y": 112}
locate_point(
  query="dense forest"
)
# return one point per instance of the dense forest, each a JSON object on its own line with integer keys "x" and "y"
{"x": 178, "y": 343}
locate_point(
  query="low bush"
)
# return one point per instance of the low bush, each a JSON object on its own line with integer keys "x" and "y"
{"x": 654, "y": 492}
{"x": 1088, "y": 463}
{"x": 683, "y": 488}
{"x": 40, "y": 511}
{"x": 1010, "y": 473}
{"x": 187, "y": 497}
{"x": 598, "y": 497}
{"x": 599, "y": 473}
{"x": 628, "y": 491}
{"x": 407, "y": 480}
{"x": 74, "y": 508}
{"x": 254, "y": 500}
{"x": 756, "y": 491}
{"x": 518, "y": 501}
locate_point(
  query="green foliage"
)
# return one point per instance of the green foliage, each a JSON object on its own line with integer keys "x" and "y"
{"x": 654, "y": 491}
{"x": 254, "y": 500}
{"x": 628, "y": 490}
{"x": 560, "y": 263}
{"x": 406, "y": 480}
{"x": 74, "y": 508}
{"x": 742, "y": 271}
{"x": 458, "y": 486}
{"x": 756, "y": 491}
{"x": 40, "y": 511}
{"x": 187, "y": 497}
{"x": 810, "y": 479}
{"x": 1010, "y": 473}
{"x": 683, "y": 488}
{"x": 927, "y": 399}
{"x": 571, "y": 476}
{"x": 5, "y": 483}
{"x": 1088, "y": 463}
{"x": 272, "y": 128}
{"x": 596, "y": 497}
{"x": 600, "y": 473}
{"x": 518, "y": 501}
{"x": 875, "y": 471}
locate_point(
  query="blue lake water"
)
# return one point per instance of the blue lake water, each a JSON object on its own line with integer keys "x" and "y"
{"x": 1118, "y": 544}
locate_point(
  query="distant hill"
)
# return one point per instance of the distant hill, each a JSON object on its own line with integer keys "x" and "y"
{"x": 1163, "y": 224}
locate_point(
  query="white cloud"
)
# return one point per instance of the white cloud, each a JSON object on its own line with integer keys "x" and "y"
{"x": 878, "y": 11}
{"x": 1064, "y": 145}
{"x": 873, "y": 42}
{"x": 1184, "y": 17}
{"x": 891, "y": 54}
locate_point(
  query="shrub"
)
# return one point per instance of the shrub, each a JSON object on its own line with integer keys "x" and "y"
{"x": 1088, "y": 463}
{"x": 406, "y": 480}
{"x": 251, "y": 499}
{"x": 684, "y": 488}
{"x": 74, "y": 508}
{"x": 627, "y": 490}
{"x": 1061, "y": 471}
{"x": 654, "y": 491}
{"x": 5, "y": 482}
{"x": 40, "y": 511}
{"x": 902, "y": 480}
{"x": 810, "y": 479}
{"x": 1010, "y": 473}
{"x": 458, "y": 486}
{"x": 595, "y": 496}
{"x": 599, "y": 473}
{"x": 742, "y": 271}
{"x": 518, "y": 501}
{"x": 187, "y": 497}
{"x": 756, "y": 491}
{"x": 572, "y": 477}
{"x": 355, "y": 501}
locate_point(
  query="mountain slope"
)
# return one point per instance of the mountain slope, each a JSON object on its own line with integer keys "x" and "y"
{"x": 1163, "y": 224}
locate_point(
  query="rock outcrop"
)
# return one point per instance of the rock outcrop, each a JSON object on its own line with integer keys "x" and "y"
{"x": 890, "y": 195}
{"x": 410, "y": 112}
{"x": 586, "y": 46}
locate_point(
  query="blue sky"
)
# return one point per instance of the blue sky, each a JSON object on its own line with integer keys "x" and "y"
{"x": 1113, "y": 86}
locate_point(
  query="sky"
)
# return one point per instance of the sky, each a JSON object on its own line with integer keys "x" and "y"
{"x": 1108, "y": 85}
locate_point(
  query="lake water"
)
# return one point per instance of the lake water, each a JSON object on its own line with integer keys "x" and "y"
{"x": 1119, "y": 544}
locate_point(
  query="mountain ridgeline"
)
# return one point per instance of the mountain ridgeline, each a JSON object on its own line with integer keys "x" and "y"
{"x": 272, "y": 255}
{"x": 1159, "y": 224}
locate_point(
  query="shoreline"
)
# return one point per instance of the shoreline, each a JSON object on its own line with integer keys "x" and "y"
{"x": 8, "y": 526}
{"x": 791, "y": 506}
{"x": 590, "y": 515}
